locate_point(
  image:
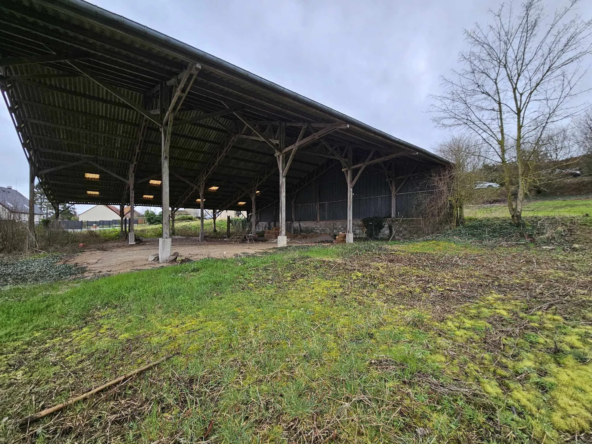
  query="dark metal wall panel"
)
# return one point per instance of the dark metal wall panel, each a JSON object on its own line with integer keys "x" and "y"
{"x": 268, "y": 214}
{"x": 378, "y": 206}
{"x": 307, "y": 194}
{"x": 307, "y": 211}
{"x": 371, "y": 185}
{"x": 332, "y": 191}
{"x": 411, "y": 204}
{"x": 325, "y": 199}
{"x": 415, "y": 184}
{"x": 335, "y": 210}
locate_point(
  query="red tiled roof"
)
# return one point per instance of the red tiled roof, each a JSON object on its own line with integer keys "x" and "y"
{"x": 113, "y": 208}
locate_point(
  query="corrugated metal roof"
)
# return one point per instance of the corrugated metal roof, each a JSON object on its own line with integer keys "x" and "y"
{"x": 63, "y": 117}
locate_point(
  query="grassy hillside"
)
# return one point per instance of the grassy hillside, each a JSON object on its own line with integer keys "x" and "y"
{"x": 433, "y": 341}
{"x": 548, "y": 207}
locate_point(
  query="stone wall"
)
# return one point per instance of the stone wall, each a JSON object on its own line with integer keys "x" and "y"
{"x": 404, "y": 228}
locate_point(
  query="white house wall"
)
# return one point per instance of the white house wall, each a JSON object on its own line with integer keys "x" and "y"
{"x": 99, "y": 212}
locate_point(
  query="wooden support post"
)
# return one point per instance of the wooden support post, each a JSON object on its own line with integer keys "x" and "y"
{"x": 202, "y": 189}
{"x": 132, "y": 235}
{"x": 168, "y": 108}
{"x": 282, "y": 239}
{"x": 228, "y": 227}
{"x": 121, "y": 218}
{"x": 391, "y": 179}
{"x": 317, "y": 193}
{"x": 173, "y": 215}
{"x": 214, "y": 218}
{"x": 393, "y": 198}
{"x": 253, "y": 212}
{"x": 293, "y": 213}
{"x": 349, "y": 235}
{"x": 56, "y": 209}
{"x": 32, "y": 240}
{"x": 164, "y": 245}
{"x": 283, "y": 171}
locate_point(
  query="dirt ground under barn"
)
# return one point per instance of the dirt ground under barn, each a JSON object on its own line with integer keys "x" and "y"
{"x": 118, "y": 257}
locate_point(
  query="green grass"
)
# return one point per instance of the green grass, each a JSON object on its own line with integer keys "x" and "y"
{"x": 184, "y": 228}
{"x": 535, "y": 208}
{"x": 433, "y": 341}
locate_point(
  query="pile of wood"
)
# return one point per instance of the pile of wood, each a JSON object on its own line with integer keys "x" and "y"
{"x": 238, "y": 236}
{"x": 272, "y": 234}
{"x": 340, "y": 239}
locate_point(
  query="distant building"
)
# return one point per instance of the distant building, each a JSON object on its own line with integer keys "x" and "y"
{"x": 223, "y": 215}
{"x": 105, "y": 212}
{"x": 233, "y": 214}
{"x": 126, "y": 212}
{"x": 15, "y": 206}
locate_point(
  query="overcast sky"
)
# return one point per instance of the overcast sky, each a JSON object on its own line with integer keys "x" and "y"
{"x": 375, "y": 60}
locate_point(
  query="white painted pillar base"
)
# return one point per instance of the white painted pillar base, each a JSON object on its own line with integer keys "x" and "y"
{"x": 349, "y": 238}
{"x": 282, "y": 241}
{"x": 164, "y": 249}
{"x": 132, "y": 238}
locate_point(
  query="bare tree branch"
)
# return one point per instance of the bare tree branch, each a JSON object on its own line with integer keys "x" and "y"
{"x": 518, "y": 82}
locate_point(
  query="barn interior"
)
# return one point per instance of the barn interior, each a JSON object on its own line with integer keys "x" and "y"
{"x": 111, "y": 112}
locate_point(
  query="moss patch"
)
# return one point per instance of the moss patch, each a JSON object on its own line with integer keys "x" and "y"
{"x": 426, "y": 341}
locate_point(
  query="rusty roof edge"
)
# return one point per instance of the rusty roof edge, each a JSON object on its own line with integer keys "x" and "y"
{"x": 179, "y": 49}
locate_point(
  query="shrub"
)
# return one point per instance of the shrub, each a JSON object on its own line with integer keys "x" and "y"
{"x": 374, "y": 226}
{"x": 152, "y": 218}
{"x": 182, "y": 217}
{"x": 13, "y": 236}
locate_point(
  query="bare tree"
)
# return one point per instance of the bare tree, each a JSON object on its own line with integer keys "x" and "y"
{"x": 518, "y": 80}
{"x": 464, "y": 153}
{"x": 584, "y": 138}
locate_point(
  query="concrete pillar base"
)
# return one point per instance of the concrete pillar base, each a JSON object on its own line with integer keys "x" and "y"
{"x": 132, "y": 238}
{"x": 164, "y": 249}
{"x": 282, "y": 241}
{"x": 349, "y": 238}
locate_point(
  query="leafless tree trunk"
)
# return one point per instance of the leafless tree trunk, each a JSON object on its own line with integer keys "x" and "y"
{"x": 518, "y": 80}
{"x": 584, "y": 139}
{"x": 464, "y": 152}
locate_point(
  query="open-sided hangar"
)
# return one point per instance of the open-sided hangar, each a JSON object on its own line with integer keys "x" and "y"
{"x": 111, "y": 112}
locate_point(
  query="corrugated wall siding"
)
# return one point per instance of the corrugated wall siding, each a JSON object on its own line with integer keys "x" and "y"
{"x": 325, "y": 199}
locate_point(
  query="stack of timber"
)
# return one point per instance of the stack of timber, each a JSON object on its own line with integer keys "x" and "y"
{"x": 238, "y": 236}
{"x": 272, "y": 234}
{"x": 340, "y": 239}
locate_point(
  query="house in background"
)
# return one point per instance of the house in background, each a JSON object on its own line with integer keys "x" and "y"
{"x": 15, "y": 206}
{"x": 221, "y": 216}
{"x": 233, "y": 214}
{"x": 105, "y": 212}
{"x": 137, "y": 215}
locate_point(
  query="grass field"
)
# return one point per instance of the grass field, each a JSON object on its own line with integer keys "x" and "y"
{"x": 548, "y": 207}
{"x": 185, "y": 228}
{"x": 445, "y": 340}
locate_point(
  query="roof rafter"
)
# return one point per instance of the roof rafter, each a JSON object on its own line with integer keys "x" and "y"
{"x": 141, "y": 137}
{"x": 206, "y": 116}
{"x": 43, "y": 58}
{"x": 253, "y": 128}
{"x": 117, "y": 94}
{"x": 185, "y": 80}
{"x": 255, "y": 182}
{"x": 208, "y": 170}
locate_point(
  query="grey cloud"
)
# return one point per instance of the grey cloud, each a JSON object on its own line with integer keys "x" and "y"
{"x": 376, "y": 60}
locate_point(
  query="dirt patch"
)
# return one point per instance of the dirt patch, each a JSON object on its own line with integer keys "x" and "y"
{"x": 118, "y": 257}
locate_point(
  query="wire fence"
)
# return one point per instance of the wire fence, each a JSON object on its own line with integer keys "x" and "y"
{"x": 79, "y": 225}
